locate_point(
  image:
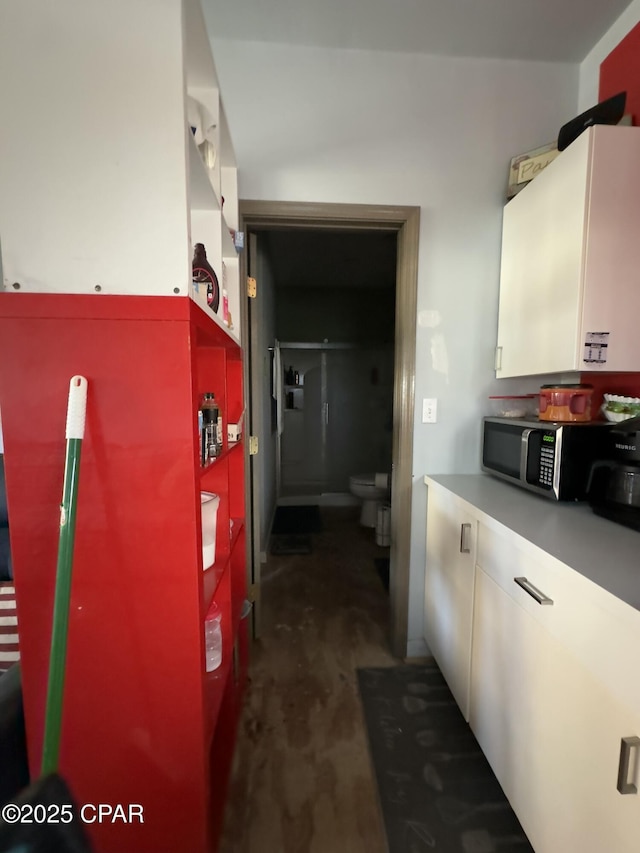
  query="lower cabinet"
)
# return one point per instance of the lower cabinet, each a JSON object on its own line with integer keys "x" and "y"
{"x": 551, "y": 690}
{"x": 550, "y": 731}
{"x": 448, "y": 599}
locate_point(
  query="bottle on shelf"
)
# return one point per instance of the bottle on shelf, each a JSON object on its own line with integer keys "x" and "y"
{"x": 203, "y": 272}
{"x": 225, "y": 307}
{"x": 211, "y": 428}
{"x": 213, "y": 638}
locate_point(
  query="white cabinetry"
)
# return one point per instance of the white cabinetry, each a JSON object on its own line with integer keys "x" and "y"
{"x": 549, "y": 723}
{"x": 97, "y": 139}
{"x": 448, "y": 596}
{"x": 541, "y": 659}
{"x": 570, "y": 255}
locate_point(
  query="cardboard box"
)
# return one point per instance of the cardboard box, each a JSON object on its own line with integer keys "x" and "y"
{"x": 524, "y": 167}
{"x": 234, "y": 430}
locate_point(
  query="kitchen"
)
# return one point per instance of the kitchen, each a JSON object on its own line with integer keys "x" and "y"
{"x": 457, "y": 289}
{"x": 451, "y": 160}
{"x": 501, "y": 107}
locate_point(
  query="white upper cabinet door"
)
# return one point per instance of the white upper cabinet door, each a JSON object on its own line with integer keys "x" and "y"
{"x": 570, "y": 256}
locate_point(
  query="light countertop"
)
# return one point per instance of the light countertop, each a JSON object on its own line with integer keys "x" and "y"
{"x": 604, "y": 552}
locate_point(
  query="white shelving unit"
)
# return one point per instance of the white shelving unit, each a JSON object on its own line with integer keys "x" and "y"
{"x": 104, "y": 189}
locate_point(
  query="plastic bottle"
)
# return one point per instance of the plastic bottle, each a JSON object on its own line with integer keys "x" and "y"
{"x": 211, "y": 428}
{"x": 213, "y": 638}
{"x": 225, "y": 307}
{"x": 202, "y": 271}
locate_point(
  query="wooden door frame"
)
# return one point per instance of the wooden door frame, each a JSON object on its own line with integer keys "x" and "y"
{"x": 406, "y": 221}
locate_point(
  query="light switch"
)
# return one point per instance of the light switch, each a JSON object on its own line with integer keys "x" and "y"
{"x": 429, "y": 410}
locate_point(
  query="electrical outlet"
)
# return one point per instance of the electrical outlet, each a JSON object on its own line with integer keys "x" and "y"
{"x": 429, "y": 410}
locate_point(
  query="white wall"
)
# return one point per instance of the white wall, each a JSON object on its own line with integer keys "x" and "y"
{"x": 323, "y": 125}
{"x": 590, "y": 67}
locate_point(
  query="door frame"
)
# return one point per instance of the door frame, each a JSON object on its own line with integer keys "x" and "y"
{"x": 258, "y": 214}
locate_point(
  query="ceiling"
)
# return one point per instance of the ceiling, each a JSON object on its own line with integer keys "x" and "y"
{"x": 546, "y": 30}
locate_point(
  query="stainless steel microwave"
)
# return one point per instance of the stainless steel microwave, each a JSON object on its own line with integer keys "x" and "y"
{"x": 551, "y": 459}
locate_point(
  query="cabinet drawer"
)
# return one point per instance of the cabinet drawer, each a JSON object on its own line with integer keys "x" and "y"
{"x": 602, "y": 632}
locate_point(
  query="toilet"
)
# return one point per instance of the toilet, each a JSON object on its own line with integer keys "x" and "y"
{"x": 372, "y": 489}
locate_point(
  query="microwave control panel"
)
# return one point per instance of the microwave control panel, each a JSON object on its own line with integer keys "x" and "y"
{"x": 547, "y": 459}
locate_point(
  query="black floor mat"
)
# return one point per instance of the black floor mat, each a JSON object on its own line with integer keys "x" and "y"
{"x": 382, "y": 568}
{"x": 291, "y": 543}
{"x": 297, "y": 519}
{"x": 437, "y": 790}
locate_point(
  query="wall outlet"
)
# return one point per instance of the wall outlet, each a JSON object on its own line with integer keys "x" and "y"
{"x": 429, "y": 410}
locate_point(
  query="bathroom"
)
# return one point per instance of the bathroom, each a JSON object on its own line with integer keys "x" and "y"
{"x": 327, "y": 321}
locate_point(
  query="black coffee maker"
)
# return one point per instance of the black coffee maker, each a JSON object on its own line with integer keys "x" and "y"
{"x": 613, "y": 490}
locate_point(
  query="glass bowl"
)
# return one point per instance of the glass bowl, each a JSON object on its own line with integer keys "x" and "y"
{"x": 617, "y": 408}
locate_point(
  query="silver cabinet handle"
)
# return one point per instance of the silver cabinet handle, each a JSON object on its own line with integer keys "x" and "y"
{"x": 464, "y": 530}
{"x": 626, "y": 745}
{"x": 533, "y": 591}
{"x": 498, "y": 359}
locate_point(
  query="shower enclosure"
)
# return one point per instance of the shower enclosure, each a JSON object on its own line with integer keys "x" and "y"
{"x": 336, "y": 419}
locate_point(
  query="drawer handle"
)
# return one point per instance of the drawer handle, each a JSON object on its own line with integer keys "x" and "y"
{"x": 533, "y": 591}
{"x": 626, "y": 745}
{"x": 464, "y": 530}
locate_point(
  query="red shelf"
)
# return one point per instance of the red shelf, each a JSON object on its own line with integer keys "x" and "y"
{"x": 138, "y": 703}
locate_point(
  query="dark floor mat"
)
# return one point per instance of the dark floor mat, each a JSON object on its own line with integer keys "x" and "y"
{"x": 295, "y": 543}
{"x": 297, "y": 519}
{"x": 382, "y": 568}
{"x": 436, "y": 788}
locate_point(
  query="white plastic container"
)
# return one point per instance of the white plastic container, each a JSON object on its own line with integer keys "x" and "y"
{"x": 213, "y": 638}
{"x": 209, "y": 508}
{"x": 383, "y": 525}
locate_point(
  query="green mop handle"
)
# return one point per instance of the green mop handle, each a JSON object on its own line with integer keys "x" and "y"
{"x": 76, "y": 410}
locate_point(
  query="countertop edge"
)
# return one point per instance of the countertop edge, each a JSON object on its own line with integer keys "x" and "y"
{"x": 606, "y": 553}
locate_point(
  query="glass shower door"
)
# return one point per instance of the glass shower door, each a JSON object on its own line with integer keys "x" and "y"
{"x": 344, "y": 423}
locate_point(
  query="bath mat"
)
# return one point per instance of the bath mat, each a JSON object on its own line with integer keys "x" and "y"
{"x": 436, "y": 788}
{"x": 295, "y": 543}
{"x": 297, "y": 519}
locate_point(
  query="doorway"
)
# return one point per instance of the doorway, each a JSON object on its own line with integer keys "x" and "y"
{"x": 337, "y": 417}
{"x": 402, "y": 224}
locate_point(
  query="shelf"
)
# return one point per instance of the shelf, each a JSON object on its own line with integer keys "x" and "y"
{"x": 205, "y": 338}
{"x": 212, "y": 576}
{"x": 236, "y": 530}
{"x": 228, "y": 246}
{"x": 199, "y": 65}
{"x": 123, "y": 312}
{"x": 202, "y": 195}
{"x": 231, "y": 447}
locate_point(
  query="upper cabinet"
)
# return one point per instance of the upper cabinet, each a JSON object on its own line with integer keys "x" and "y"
{"x": 569, "y": 294}
{"x": 90, "y": 144}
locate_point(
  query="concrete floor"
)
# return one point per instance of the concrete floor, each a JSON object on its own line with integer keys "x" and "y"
{"x": 302, "y": 780}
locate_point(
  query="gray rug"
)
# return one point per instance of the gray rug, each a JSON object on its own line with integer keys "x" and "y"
{"x": 436, "y": 788}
